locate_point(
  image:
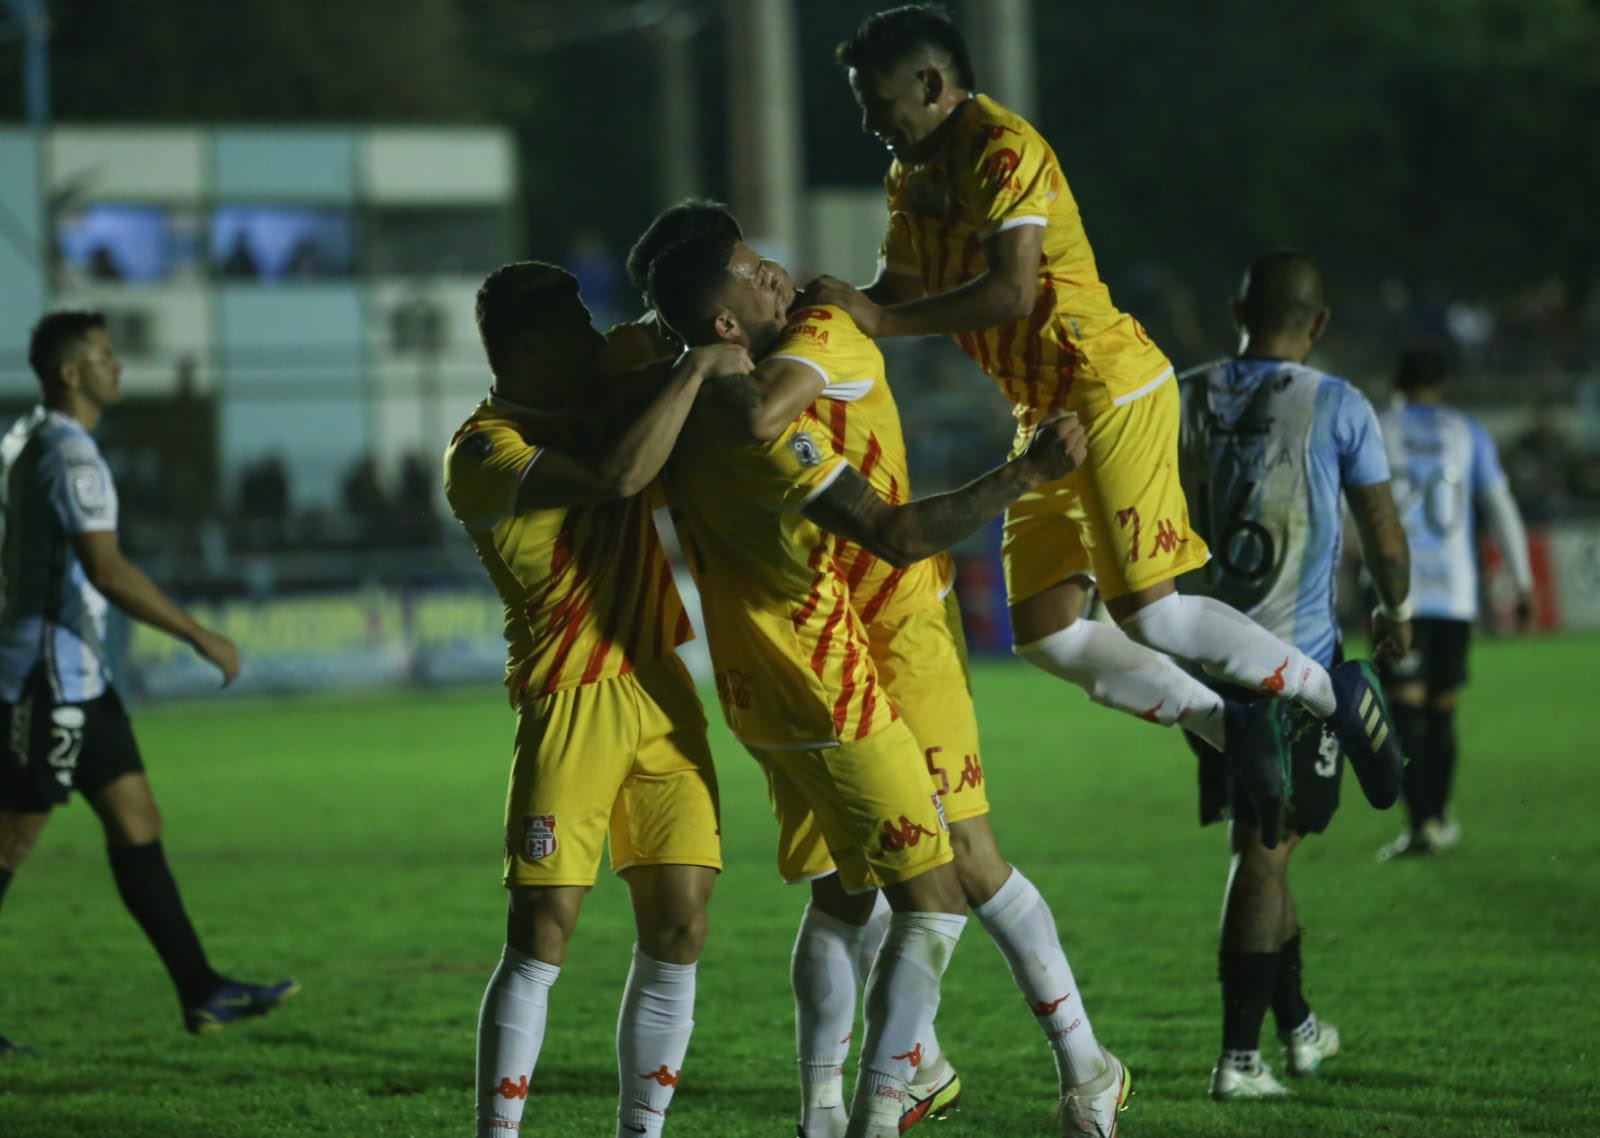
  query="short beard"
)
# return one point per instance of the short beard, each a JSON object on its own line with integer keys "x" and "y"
{"x": 763, "y": 337}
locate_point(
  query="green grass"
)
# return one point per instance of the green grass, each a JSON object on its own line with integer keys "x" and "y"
{"x": 354, "y": 843}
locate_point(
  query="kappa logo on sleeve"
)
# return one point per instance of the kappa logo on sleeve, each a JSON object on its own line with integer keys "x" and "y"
{"x": 806, "y": 449}
{"x": 538, "y": 836}
{"x": 89, "y": 490}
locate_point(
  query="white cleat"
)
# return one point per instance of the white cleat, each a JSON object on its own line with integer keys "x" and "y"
{"x": 1090, "y": 1110}
{"x": 1448, "y": 834}
{"x": 1304, "y": 1056}
{"x": 1229, "y": 1082}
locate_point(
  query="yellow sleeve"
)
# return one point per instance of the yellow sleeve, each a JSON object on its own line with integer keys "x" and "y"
{"x": 797, "y": 466}
{"x": 825, "y": 339}
{"x": 1011, "y": 180}
{"x": 897, "y": 253}
{"x": 483, "y": 471}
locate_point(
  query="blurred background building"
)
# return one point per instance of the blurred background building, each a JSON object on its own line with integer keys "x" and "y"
{"x": 284, "y": 208}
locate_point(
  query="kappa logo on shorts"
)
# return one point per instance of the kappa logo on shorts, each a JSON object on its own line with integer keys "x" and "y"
{"x": 538, "y": 836}
{"x": 898, "y": 835}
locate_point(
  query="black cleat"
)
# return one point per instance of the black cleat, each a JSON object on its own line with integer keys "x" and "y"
{"x": 1367, "y": 734}
{"x": 9, "y": 1049}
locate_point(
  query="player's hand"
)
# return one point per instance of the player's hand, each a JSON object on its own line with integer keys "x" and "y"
{"x": 1526, "y": 612}
{"x": 867, "y": 314}
{"x": 1391, "y": 639}
{"x": 1058, "y": 447}
{"x": 720, "y": 359}
{"x": 218, "y": 650}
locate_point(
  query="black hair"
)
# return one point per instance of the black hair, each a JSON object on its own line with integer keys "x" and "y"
{"x": 1282, "y": 293}
{"x": 884, "y": 39}
{"x": 514, "y": 297}
{"x": 1421, "y": 367}
{"x": 682, "y": 280}
{"x": 692, "y": 217}
{"x": 55, "y": 337}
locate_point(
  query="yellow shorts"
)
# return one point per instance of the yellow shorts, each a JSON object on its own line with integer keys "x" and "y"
{"x": 1121, "y": 518}
{"x": 870, "y": 800}
{"x": 921, "y": 659}
{"x": 626, "y": 757}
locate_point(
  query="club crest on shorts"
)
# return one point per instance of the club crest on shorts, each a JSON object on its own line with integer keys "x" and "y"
{"x": 805, "y": 449}
{"x": 538, "y": 836}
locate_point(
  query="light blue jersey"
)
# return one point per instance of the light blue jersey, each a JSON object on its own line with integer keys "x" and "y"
{"x": 53, "y": 485}
{"x": 1267, "y": 448}
{"x": 1444, "y": 464}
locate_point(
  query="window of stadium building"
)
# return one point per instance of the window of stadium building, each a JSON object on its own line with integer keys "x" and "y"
{"x": 448, "y": 240}
{"x": 126, "y": 242}
{"x": 271, "y": 243}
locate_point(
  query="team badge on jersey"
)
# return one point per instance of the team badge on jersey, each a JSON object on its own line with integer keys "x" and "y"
{"x": 538, "y": 836}
{"x": 805, "y": 449}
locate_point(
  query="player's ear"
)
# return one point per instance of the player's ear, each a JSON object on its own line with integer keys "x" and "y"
{"x": 932, "y": 85}
{"x": 1320, "y": 324}
{"x": 725, "y": 326}
{"x": 1236, "y": 306}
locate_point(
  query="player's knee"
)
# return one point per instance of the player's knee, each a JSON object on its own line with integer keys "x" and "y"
{"x": 936, "y": 891}
{"x": 18, "y": 835}
{"x": 979, "y": 863}
{"x": 540, "y": 922}
{"x": 675, "y": 938}
{"x": 828, "y": 896}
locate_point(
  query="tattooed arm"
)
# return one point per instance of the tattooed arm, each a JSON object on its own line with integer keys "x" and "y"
{"x": 902, "y": 535}
{"x": 1387, "y": 556}
{"x": 761, "y": 405}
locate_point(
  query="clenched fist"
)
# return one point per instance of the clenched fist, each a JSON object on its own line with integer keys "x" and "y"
{"x": 1058, "y": 447}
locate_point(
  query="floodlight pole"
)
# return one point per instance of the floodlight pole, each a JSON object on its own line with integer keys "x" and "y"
{"x": 33, "y": 23}
{"x": 768, "y": 175}
{"x": 1000, "y": 34}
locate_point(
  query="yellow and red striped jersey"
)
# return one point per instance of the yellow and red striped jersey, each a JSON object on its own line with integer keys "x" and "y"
{"x": 790, "y": 653}
{"x": 858, "y": 411}
{"x": 1075, "y": 351}
{"x": 587, "y": 589}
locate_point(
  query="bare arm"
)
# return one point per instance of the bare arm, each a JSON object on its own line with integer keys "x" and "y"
{"x": 761, "y": 405}
{"x": 1505, "y": 522}
{"x": 624, "y": 463}
{"x": 1006, "y": 291}
{"x": 125, "y": 585}
{"x": 1387, "y": 556}
{"x": 893, "y": 288}
{"x": 903, "y": 535}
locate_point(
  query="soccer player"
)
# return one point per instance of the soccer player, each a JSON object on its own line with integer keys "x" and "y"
{"x": 1268, "y": 447}
{"x": 63, "y": 723}
{"x": 545, "y": 476}
{"x": 913, "y": 625}
{"x": 985, "y": 243}
{"x": 1446, "y": 471}
{"x": 795, "y": 670}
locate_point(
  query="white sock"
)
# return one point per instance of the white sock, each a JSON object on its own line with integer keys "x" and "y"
{"x": 1119, "y": 673}
{"x": 1231, "y": 646}
{"x": 1024, "y": 930}
{"x": 901, "y": 1001}
{"x": 877, "y": 927}
{"x": 1245, "y": 1062}
{"x": 823, "y": 974}
{"x": 510, "y": 1033}
{"x": 652, "y": 1037}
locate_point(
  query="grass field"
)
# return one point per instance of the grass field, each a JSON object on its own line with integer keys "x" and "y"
{"x": 354, "y": 843}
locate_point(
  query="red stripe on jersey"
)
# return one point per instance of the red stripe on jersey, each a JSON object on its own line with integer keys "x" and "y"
{"x": 860, "y": 566}
{"x": 560, "y": 555}
{"x": 558, "y": 663}
{"x": 597, "y": 660}
{"x": 630, "y": 646}
{"x": 837, "y": 414}
{"x": 847, "y": 689}
{"x": 1005, "y": 339}
{"x": 881, "y": 597}
{"x": 869, "y": 704}
{"x": 870, "y": 459}
{"x": 813, "y": 563}
{"x": 894, "y": 490}
{"x": 982, "y": 358}
{"x": 819, "y": 658}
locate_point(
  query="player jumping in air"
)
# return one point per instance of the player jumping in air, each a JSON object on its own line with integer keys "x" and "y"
{"x": 545, "y": 476}
{"x": 985, "y": 243}
{"x": 62, "y": 724}
{"x": 798, "y": 680}
{"x": 1268, "y": 447}
{"x": 1446, "y": 472}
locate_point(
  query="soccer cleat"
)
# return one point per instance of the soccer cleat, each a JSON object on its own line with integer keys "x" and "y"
{"x": 1367, "y": 734}
{"x": 1229, "y": 1082}
{"x": 1090, "y": 1109}
{"x": 1304, "y": 1056}
{"x": 1257, "y": 736}
{"x": 1424, "y": 841}
{"x": 938, "y": 1097}
{"x": 1448, "y": 834}
{"x": 8, "y": 1048}
{"x": 229, "y": 1001}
